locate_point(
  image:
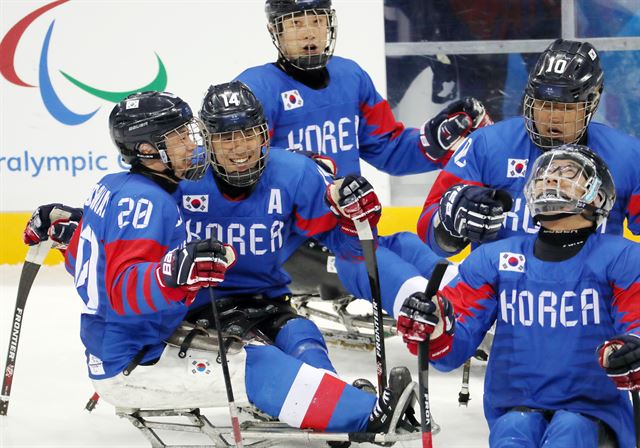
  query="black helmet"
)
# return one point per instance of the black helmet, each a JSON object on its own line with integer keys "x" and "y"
{"x": 149, "y": 117}
{"x": 280, "y": 10}
{"x": 570, "y": 180}
{"x": 234, "y": 117}
{"x": 566, "y": 72}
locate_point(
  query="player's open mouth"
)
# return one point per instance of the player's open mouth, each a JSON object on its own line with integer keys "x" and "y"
{"x": 310, "y": 49}
{"x": 240, "y": 161}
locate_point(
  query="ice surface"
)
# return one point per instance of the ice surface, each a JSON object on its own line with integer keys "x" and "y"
{"x": 51, "y": 387}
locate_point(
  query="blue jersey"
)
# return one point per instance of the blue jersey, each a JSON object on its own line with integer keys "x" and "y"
{"x": 346, "y": 120}
{"x": 287, "y": 200}
{"x": 499, "y": 156}
{"x": 550, "y": 317}
{"x": 128, "y": 224}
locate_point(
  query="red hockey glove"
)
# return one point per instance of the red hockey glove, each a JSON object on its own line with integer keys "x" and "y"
{"x": 446, "y": 131}
{"x": 423, "y": 317}
{"x": 352, "y": 198}
{"x": 324, "y": 162}
{"x": 620, "y": 358}
{"x": 198, "y": 264}
{"x": 55, "y": 221}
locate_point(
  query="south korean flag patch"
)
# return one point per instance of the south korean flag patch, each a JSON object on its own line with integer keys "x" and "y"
{"x": 196, "y": 202}
{"x": 511, "y": 262}
{"x": 517, "y": 167}
{"x": 200, "y": 367}
{"x": 292, "y": 99}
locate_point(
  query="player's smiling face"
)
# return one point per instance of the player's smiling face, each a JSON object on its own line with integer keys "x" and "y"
{"x": 237, "y": 151}
{"x": 181, "y": 144}
{"x": 304, "y": 34}
{"x": 561, "y": 122}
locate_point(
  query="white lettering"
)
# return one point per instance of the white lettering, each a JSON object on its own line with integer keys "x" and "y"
{"x": 550, "y": 309}
{"x": 343, "y": 134}
{"x": 275, "y": 202}
{"x": 589, "y": 300}
{"x": 565, "y": 308}
{"x": 544, "y": 309}
{"x": 525, "y": 295}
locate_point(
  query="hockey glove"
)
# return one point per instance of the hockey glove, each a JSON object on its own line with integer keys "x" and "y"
{"x": 199, "y": 264}
{"x": 55, "y": 221}
{"x": 352, "y": 198}
{"x": 620, "y": 358}
{"x": 447, "y": 130}
{"x": 324, "y": 162}
{"x": 423, "y": 317}
{"x": 476, "y": 213}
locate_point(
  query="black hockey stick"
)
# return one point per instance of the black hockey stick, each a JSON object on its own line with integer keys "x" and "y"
{"x": 463, "y": 395}
{"x": 365, "y": 235}
{"x": 92, "y": 402}
{"x": 233, "y": 410}
{"x": 635, "y": 398}
{"x": 30, "y": 268}
{"x": 423, "y": 361}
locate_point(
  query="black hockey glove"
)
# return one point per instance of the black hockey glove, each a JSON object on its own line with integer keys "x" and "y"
{"x": 198, "y": 264}
{"x": 445, "y": 131}
{"x": 423, "y": 318}
{"x": 472, "y": 212}
{"x": 620, "y": 358}
{"x": 352, "y": 198}
{"x": 55, "y": 221}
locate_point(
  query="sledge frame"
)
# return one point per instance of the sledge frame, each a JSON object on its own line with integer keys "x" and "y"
{"x": 257, "y": 432}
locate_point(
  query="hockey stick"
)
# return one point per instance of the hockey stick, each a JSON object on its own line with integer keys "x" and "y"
{"x": 635, "y": 398}
{"x": 365, "y": 235}
{"x": 92, "y": 402}
{"x": 30, "y": 268}
{"x": 463, "y": 395}
{"x": 233, "y": 409}
{"x": 423, "y": 361}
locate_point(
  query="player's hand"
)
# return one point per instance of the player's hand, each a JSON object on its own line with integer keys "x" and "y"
{"x": 198, "y": 264}
{"x": 423, "y": 318}
{"x": 324, "y": 162}
{"x": 55, "y": 221}
{"x": 476, "y": 213}
{"x": 447, "y": 130}
{"x": 620, "y": 358}
{"x": 352, "y": 198}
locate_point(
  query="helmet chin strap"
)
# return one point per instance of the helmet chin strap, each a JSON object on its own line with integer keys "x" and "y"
{"x": 555, "y": 217}
{"x": 558, "y": 216}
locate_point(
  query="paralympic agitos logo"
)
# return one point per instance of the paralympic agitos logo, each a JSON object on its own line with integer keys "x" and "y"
{"x": 50, "y": 97}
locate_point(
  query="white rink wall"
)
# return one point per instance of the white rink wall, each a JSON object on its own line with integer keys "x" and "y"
{"x": 112, "y": 46}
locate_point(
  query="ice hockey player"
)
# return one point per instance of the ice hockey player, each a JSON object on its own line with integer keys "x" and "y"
{"x": 328, "y": 105}
{"x": 255, "y": 197}
{"x": 471, "y": 195}
{"x": 556, "y": 298}
{"x": 130, "y": 264}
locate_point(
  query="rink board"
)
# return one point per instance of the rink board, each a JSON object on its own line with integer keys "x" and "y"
{"x": 394, "y": 219}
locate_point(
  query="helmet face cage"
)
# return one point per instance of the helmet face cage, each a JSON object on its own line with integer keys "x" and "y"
{"x": 307, "y": 38}
{"x": 240, "y": 156}
{"x": 185, "y": 150}
{"x": 562, "y": 93}
{"x": 566, "y": 181}
{"x": 551, "y": 124}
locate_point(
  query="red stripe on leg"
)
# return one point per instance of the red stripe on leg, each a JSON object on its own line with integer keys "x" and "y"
{"x": 323, "y": 403}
